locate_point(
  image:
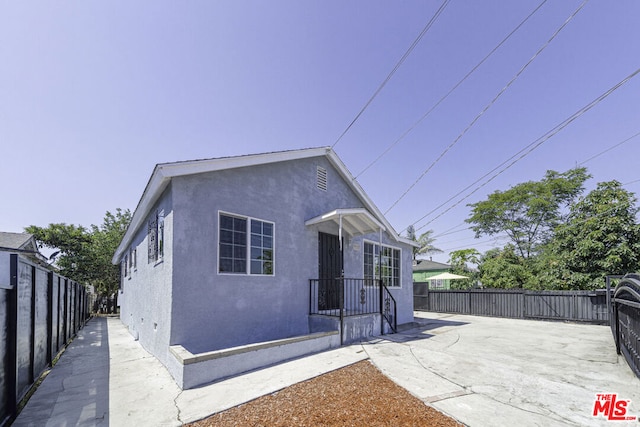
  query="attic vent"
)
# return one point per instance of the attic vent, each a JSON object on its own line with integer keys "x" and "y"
{"x": 321, "y": 179}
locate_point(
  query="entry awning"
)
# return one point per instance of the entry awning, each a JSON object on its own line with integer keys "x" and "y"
{"x": 355, "y": 221}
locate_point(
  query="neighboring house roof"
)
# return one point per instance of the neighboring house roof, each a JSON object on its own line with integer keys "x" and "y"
{"x": 164, "y": 172}
{"x": 428, "y": 265}
{"x": 18, "y": 241}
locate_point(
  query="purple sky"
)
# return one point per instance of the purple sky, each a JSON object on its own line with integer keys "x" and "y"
{"x": 94, "y": 94}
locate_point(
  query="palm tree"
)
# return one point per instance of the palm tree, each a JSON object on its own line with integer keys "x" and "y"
{"x": 425, "y": 241}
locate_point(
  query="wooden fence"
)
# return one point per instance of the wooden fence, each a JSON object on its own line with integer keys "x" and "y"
{"x": 40, "y": 312}
{"x": 577, "y": 306}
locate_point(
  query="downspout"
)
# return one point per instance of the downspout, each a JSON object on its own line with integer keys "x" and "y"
{"x": 341, "y": 306}
{"x": 380, "y": 280}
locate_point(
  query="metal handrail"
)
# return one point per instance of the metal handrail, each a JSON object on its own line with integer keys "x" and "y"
{"x": 345, "y": 297}
{"x": 385, "y": 295}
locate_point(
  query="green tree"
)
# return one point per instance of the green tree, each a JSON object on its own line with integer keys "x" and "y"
{"x": 600, "y": 237}
{"x": 528, "y": 212}
{"x": 460, "y": 261}
{"x": 85, "y": 254}
{"x": 426, "y": 245}
{"x": 504, "y": 269}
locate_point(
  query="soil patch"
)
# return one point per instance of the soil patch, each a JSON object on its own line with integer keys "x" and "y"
{"x": 357, "y": 395}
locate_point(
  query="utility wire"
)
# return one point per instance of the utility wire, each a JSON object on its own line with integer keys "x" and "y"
{"x": 404, "y": 57}
{"x": 449, "y": 231}
{"x": 424, "y": 116}
{"x": 528, "y": 149}
{"x": 609, "y": 149}
{"x": 490, "y": 104}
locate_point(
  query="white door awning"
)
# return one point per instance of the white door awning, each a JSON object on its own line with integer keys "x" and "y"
{"x": 355, "y": 221}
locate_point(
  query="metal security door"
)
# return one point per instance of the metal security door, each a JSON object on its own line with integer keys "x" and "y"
{"x": 330, "y": 271}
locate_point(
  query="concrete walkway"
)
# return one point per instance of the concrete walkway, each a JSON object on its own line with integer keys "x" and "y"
{"x": 481, "y": 371}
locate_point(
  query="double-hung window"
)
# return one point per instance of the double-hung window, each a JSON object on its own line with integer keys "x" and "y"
{"x": 245, "y": 245}
{"x": 383, "y": 264}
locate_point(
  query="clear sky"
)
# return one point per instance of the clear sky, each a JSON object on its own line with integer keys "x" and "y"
{"x": 93, "y": 94}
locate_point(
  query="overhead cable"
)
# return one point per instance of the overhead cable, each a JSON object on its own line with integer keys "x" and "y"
{"x": 425, "y": 115}
{"x": 490, "y": 104}
{"x": 527, "y": 150}
{"x": 404, "y": 57}
{"x": 609, "y": 149}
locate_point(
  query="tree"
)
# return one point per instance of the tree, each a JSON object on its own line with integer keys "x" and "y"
{"x": 504, "y": 269}
{"x": 85, "y": 254}
{"x": 426, "y": 245}
{"x": 528, "y": 212}
{"x": 460, "y": 261}
{"x": 600, "y": 237}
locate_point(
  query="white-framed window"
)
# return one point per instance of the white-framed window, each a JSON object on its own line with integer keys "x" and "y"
{"x": 245, "y": 245}
{"x": 385, "y": 265}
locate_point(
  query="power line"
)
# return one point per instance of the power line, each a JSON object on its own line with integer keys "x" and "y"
{"x": 527, "y": 150}
{"x": 400, "y": 62}
{"x": 491, "y": 103}
{"x": 609, "y": 149}
{"x": 424, "y": 116}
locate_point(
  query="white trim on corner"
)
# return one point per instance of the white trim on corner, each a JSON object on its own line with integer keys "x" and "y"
{"x": 248, "y": 266}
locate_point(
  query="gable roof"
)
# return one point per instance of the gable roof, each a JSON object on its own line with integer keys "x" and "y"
{"x": 164, "y": 172}
{"x": 428, "y": 265}
{"x": 17, "y": 241}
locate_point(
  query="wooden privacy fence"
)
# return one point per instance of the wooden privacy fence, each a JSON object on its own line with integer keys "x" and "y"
{"x": 580, "y": 306}
{"x": 40, "y": 312}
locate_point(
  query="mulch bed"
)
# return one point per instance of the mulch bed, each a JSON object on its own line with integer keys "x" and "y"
{"x": 357, "y": 395}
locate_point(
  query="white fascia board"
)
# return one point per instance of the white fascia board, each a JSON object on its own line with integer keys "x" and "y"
{"x": 163, "y": 173}
{"x": 360, "y": 214}
{"x": 156, "y": 185}
{"x": 346, "y": 175}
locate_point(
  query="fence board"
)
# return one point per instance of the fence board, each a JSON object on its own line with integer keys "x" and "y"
{"x": 583, "y": 306}
{"x": 39, "y": 312}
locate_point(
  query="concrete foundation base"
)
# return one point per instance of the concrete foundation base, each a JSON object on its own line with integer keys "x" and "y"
{"x": 192, "y": 370}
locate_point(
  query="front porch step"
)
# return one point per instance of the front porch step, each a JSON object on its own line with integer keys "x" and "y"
{"x": 356, "y": 328}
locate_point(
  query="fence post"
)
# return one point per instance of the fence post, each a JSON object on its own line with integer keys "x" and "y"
{"x": 12, "y": 337}
{"x": 32, "y": 349}
{"x": 49, "y": 316}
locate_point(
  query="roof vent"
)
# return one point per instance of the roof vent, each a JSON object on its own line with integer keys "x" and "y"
{"x": 321, "y": 179}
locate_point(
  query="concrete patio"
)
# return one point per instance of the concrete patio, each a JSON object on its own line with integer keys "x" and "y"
{"x": 481, "y": 371}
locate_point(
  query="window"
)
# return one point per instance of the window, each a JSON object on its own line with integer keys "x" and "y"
{"x": 239, "y": 255}
{"x": 155, "y": 237}
{"x": 386, "y": 266}
{"x": 152, "y": 239}
{"x": 261, "y": 247}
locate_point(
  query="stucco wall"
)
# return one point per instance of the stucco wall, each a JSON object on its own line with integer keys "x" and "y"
{"x": 183, "y": 300}
{"x": 145, "y": 299}
{"x": 213, "y": 311}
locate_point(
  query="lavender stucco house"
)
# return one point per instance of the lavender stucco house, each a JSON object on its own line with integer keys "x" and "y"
{"x": 231, "y": 264}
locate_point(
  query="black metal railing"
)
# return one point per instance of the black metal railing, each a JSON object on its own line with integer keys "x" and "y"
{"x": 389, "y": 311}
{"x": 626, "y": 317}
{"x": 351, "y": 297}
{"x": 344, "y": 297}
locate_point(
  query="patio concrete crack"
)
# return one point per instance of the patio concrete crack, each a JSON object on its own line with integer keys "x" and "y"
{"x": 548, "y": 413}
{"x": 175, "y": 403}
{"x": 435, "y": 373}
